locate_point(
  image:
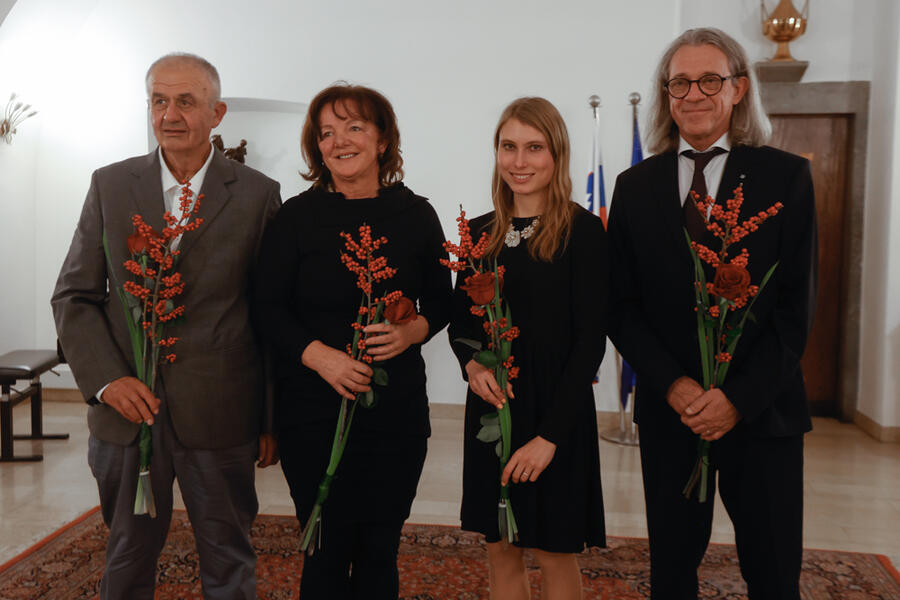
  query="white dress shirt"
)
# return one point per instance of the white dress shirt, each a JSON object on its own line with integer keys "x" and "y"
{"x": 172, "y": 187}
{"x": 171, "y": 193}
{"x": 713, "y": 171}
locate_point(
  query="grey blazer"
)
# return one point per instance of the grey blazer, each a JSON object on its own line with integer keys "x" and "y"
{"x": 216, "y": 389}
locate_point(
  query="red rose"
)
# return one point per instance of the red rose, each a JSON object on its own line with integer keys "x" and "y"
{"x": 138, "y": 243}
{"x": 731, "y": 281}
{"x": 480, "y": 287}
{"x": 401, "y": 311}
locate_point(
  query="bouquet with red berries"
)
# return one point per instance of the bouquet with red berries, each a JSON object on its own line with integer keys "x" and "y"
{"x": 149, "y": 303}
{"x": 393, "y": 307}
{"x": 483, "y": 287}
{"x": 723, "y": 305}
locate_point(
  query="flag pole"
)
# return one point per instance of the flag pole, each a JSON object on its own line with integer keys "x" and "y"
{"x": 595, "y": 191}
{"x": 635, "y": 99}
{"x": 626, "y": 434}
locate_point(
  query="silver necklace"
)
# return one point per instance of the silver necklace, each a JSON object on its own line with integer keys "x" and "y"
{"x": 515, "y": 236}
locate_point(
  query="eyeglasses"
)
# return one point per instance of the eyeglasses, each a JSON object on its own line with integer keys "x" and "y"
{"x": 710, "y": 85}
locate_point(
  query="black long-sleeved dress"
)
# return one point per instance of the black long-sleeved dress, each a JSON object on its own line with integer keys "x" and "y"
{"x": 560, "y": 308}
{"x": 304, "y": 293}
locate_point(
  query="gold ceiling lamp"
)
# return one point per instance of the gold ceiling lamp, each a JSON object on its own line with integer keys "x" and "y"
{"x": 783, "y": 25}
{"x": 15, "y": 113}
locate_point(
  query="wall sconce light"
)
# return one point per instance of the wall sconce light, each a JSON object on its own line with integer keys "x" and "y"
{"x": 15, "y": 113}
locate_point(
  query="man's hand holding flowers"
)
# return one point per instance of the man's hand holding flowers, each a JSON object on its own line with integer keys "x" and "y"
{"x": 346, "y": 375}
{"x": 682, "y": 394}
{"x": 131, "y": 399}
{"x": 711, "y": 415}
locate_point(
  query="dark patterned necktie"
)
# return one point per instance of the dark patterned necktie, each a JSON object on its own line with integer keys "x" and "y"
{"x": 693, "y": 221}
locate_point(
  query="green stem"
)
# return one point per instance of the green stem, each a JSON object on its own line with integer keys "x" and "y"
{"x": 133, "y": 332}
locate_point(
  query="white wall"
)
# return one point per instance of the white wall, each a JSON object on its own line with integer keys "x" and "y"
{"x": 880, "y": 326}
{"x": 880, "y": 385}
{"x": 449, "y": 68}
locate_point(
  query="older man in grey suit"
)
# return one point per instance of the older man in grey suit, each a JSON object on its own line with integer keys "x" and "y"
{"x": 207, "y": 413}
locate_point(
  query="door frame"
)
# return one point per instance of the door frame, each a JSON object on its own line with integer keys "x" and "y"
{"x": 846, "y": 98}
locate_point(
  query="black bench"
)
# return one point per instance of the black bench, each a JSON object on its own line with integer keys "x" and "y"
{"x": 16, "y": 366}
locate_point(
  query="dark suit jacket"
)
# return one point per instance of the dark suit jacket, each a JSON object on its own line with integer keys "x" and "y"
{"x": 652, "y": 322}
{"x": 215, "y": 390}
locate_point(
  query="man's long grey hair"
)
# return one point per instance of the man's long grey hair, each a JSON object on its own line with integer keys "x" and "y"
{"x": 749, "y": 124}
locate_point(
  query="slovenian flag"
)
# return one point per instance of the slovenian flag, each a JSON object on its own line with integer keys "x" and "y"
{"x": 596, "y": 197}
{"x": 629, "y": 379}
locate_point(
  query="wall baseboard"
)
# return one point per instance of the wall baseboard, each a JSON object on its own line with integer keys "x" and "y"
{"x": 61, "y": 395}
{"x": 876, "y": 430}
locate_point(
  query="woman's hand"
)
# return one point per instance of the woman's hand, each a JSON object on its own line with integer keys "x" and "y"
{"x": 347, "y": 376}
{"x": 483, "y": 383}
{"x": 387, "y": 340}
{"x": 529, "y": 461}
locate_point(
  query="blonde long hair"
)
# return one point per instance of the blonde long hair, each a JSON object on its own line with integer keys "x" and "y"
{"x": 555, "y": 224}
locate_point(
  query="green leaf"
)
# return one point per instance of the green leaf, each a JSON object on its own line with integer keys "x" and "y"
{"x": 132, "y": 301}
{"x": 489, "y": 433}
{"x": 490, "y": 419}
{"x": 505, "y": 349}
{"x": 379, "y": 376}
{"x": 379, "y": 311}
{"x": 369, "y": 399}
{"x": 732, "y": 334}
{"x": 751, "y": 317}
{"x": 487, "y": 359}
{"x": 499, "y": 449}
{"x": 149, "y": 283}
{"x": 474, "y": 344}
{"x": 136, "y": 311}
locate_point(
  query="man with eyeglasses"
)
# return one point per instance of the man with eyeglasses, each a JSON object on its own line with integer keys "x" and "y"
{"x": 707, "y": 128}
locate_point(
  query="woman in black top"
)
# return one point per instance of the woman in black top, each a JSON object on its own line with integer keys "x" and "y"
{"x": 305, "y": 302}
{"x": 554, "y": 254}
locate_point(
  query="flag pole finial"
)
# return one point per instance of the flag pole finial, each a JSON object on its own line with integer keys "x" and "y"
{"x": 594, "y": 101}
{"x": 635, "y": 99}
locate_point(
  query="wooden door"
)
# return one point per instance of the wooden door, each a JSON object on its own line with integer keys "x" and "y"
{"x": 824, "y": 140}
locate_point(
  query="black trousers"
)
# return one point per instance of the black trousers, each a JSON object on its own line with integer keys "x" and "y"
{"x": 760, "y": 481}
{"x": 370, "y": 498}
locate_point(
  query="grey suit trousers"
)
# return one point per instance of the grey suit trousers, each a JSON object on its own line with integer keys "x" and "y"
{"x": 219, "y": 493}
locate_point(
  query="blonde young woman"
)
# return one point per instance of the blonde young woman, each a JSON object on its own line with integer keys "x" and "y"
{"x": 554, "y": 253}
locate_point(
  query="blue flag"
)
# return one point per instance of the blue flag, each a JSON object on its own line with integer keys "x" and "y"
{"x": 629, "y": 378}
{"x": 637, "y": 155}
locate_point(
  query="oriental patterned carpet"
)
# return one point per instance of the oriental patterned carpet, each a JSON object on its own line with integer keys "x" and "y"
{"x": 436, "y": 563}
